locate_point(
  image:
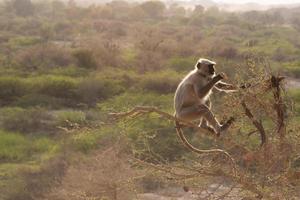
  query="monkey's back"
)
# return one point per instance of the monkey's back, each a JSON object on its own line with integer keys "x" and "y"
{"x": 185, "y": 93}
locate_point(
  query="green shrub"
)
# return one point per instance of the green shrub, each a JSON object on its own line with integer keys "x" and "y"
{"x": 292, "y": 69}
{"x": 123, "y": 77}
{"x": 85, "y": 141}
{"x": 56, "y": 86}
{"x": 43, "y": 56}
{"x": 182, "y": 64}
{"x": 17, "y": 147}
{"x": 11, "y": 88}
{"x": 44, "y": 145}
{"x": 162, "y": 83}
{"x": 129, "y": 55}
{"x": 41, "y": 100}
{"x": 295, "y": 94}
{"x": 85, "y": 59}
{"x": 25, "y": 120}
{"x": 129, "y": 100}
{"x": 94, "y": 89}
{"x": 71, "y": 71}
{"x": 69, "y": 117}
{"x": 35, "y": 182}
{"x": 154, "y": 137}
{"x": 13, "y": 146}
{"x": 141, "y": 132}
{"x": 24, "y": 41}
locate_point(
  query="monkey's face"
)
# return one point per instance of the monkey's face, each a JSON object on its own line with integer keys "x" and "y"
{"x": 207, "y": 69}
{"x": 211, "y": 69}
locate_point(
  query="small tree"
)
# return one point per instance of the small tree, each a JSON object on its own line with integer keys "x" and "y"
{"x": 258, "y": 155}
{"x": 154, "y": 9}
{"x": 85, "y": 59}
{"x": 23, "y": 7}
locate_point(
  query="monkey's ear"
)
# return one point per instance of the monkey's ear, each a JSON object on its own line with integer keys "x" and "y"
{"x": 198, "y": 65}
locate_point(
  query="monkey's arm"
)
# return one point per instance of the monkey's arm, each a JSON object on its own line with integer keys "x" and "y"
{"x": 203, "y": 91}
{"x": 221, "y": 86}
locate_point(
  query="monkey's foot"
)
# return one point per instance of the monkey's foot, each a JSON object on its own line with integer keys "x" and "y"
{"x": 178, "y": 125}
{"x": 206, "y": 127}
{"x": 224, "y": 127}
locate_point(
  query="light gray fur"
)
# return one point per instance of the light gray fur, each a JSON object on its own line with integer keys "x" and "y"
{"x": 191, "y": 99}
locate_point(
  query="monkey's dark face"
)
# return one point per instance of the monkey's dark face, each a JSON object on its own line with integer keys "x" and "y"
{"x": 211, "y": 69}
{"x": 208, "y": 69}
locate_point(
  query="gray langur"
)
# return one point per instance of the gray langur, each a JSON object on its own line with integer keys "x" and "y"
{"x": 192, "y": 100}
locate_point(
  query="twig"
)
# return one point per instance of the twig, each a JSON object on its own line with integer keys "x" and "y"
{"x": 278, "y": 105}
{"x": 256, "y": 123}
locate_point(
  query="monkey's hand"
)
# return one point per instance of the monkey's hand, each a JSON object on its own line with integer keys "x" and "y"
{"x": 245, "y": 85}
{"x": 221, "y": 76}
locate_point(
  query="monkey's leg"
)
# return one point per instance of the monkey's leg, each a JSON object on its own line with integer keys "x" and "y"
{"x": 203, "y": 122}
{"x": 209, "y": 120}
{"x": 200, "y": 111}
{"x": 189, "y": 113}
{"x": 205, "y": 125}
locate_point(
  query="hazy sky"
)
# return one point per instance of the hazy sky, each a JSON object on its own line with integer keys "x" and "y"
{"x": 260, "y": 1}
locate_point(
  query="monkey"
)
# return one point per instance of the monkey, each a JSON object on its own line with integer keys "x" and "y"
{"x": 192, "y": 96}
{"x": 192, "y": 102}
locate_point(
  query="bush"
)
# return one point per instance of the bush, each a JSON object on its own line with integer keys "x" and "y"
{"x": 41, "y": 100}
{"x": 11, "y": 88}
{"x": 25, "y": 121}
{"x": 43, "y": 56}
{"x": 181, "y": 64}
{"x": 162, "y": 83}
{"x": 71, "y": 71}
{"x": 154, "y": 9}
{"x": 94, "y": 89}
{"x": 69, "y": 117}
{"x": 292, "y": 69}
{"x": 55, "y": 86}
{"x": 85, "y": 141}
{"x": 24, "y": 41}
{"x": 38, "y": 181}
{"x": 16, "y": 147}
{"x": 295, "y": 93}
{"x": 43, "y": 91}
{"x": 91, "y": 139}
{"x": 13, "y": 146}
{"x": 85, "y": 59}
{"x": 131, "y": 99}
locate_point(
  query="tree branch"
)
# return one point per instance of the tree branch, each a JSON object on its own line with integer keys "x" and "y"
{"x": 256, "y": 123}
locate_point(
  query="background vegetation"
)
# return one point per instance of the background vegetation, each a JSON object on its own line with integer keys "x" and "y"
{"x": 64, "y": 67}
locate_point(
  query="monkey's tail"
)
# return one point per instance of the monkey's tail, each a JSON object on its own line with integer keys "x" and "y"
{"x": 202, "y": 151}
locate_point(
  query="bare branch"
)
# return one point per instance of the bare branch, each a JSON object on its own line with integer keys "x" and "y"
{"x": 256, "y": 123}
{"x": 279, "y": 104}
